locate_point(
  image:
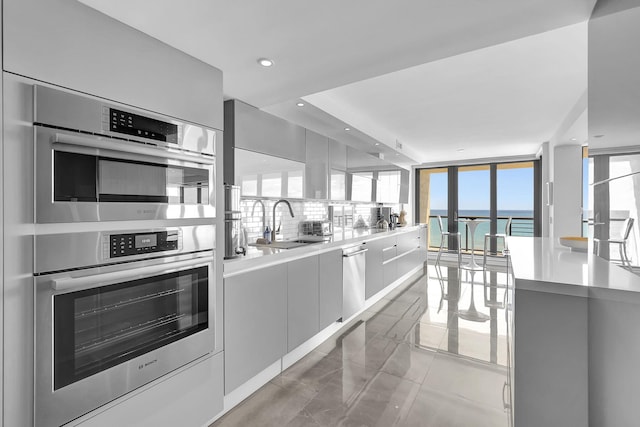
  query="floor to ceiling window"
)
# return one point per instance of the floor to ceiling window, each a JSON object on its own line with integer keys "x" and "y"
{"x": 515, "y": 198}
{"x": 489, "y": 194}
{"x": 435, "y": 183}
{"x": 474, "y": 203}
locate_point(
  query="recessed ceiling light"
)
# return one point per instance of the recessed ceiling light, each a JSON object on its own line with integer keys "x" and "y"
{"x": 397, "y": 154}
{"x": 300, "y": 104}
{"x": 573, "y": 139}
{"x": 377, "y": 143}
{"x": 347, "y": 129}
{"x": 598, "y": 136}
{"x": 265, "y": 62}
{"x": 460, "y": 149}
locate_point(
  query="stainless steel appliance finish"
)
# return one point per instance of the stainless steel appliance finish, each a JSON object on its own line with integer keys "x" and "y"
{"x": 353, "y": 280}
{"x": 29, "y": 274}
{"x": 235, "y": 241}
{"x": 274, "y": 231}
{"x": 54, "y": 107}
{"x": 93, "y": 247}
{"x": 380, "y": 212}
{"x": 104, "y": 330}
{"x": 97, "y": 161}
{"x": 315, "y": 228}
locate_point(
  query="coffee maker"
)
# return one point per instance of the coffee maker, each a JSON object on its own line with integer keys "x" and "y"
{"x": 235, "y": 238}
{"x": 394, "y": 221}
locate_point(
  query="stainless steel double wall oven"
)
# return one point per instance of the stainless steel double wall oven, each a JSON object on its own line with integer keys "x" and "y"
{"x": 127, "y": 293}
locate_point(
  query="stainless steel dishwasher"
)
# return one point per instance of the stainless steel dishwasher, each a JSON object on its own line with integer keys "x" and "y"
{"x": 353, "y": 271}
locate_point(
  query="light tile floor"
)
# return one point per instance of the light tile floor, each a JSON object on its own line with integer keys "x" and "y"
{"x": 410, "y": 360}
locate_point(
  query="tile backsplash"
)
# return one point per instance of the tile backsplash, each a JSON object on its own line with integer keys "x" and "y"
{"x": 302, "y": 209}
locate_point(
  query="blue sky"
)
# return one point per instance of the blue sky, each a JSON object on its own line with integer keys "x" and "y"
{"x": 515, "y": 190}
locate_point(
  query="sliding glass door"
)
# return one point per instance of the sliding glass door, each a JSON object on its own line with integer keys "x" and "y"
{"x": 474, "y": 205}
{"x": 489, "y": 194}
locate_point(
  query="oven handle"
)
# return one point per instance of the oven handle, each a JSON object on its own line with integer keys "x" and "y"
{"x": 136, "y": 148}
{"x": 68, "y": 284}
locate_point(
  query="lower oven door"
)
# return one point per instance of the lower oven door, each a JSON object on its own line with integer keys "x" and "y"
{"x": 100, "y": 334}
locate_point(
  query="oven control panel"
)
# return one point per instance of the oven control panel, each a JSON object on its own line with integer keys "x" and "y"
{"x": 124, "y": 122}
{"x": 124, "y": 245}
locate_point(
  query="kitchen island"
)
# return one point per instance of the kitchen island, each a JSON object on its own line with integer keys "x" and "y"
{"x": 279, "y": 304}
{"x": 577, "y": 344}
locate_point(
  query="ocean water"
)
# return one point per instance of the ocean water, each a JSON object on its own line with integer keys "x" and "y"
{"x": 521, "y": 225}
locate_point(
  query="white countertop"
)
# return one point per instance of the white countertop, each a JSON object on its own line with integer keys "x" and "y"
{"x": 261, "y": 256}
{"x": 538, "y": 265}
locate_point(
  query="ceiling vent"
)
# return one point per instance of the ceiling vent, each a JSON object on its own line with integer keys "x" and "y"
{"x": 398, "y": 145}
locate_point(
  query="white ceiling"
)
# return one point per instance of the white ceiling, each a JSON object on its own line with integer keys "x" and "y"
{"x": 436, "y": 76}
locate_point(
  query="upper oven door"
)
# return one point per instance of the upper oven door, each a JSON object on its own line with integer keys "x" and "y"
{"x": 82, "y": 177}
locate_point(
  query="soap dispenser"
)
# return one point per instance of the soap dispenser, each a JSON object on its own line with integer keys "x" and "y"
{"x": 267, "y": 234}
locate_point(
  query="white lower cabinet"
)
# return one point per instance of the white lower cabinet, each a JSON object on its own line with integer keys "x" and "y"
{"x": 302, "y": 301}
{"x": 389, "y": 262}
{"x": 424, "y": 242}
{"x": 255, "y": 323}
{"x": 408, "y": 252}
{"x": 271, "y": 311}
{"x": 330, "y": 287}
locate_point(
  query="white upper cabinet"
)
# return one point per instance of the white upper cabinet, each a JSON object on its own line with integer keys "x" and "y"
{"x": 317, "y": 166}
{"x": 252, "y": 129}
{"x": 66, "y": 43}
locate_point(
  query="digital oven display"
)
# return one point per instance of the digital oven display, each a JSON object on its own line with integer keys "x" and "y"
{"x": 141, "y": 243}
{"x": 144, "y": 127}
{"x": 146, "y": 240}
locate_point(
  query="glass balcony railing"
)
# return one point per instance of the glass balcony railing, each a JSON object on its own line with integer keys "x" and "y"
{"x": 520, "y": 226}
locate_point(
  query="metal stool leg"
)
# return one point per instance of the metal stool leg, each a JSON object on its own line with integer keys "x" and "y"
{"x": 624, "y": 256}
{"x": 459, "y": 250}
{"x": 440, "y": 248}
{"x": 484, "y": 251}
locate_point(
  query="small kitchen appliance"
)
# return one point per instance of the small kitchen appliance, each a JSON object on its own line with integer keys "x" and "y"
{"x": 235, "y": 238}
{"x": 316, "y": 228}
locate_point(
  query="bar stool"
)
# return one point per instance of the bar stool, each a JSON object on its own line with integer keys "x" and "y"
{"x": 627, "y": 226}
{"x": 447, "y": 234}
{"x": 489, "y": 236}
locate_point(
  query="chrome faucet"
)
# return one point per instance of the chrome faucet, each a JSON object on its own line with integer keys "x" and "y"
{"x": 273, "y": 230}
{"x": 264, "y": 222}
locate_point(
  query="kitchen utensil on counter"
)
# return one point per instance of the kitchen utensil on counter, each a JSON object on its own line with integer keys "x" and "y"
{"x": 382, "y": 224}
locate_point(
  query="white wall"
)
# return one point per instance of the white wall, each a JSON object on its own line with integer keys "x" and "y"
{"x": 566, "y": 210}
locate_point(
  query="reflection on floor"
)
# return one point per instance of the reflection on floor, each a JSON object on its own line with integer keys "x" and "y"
{"x": 432, "y": 353}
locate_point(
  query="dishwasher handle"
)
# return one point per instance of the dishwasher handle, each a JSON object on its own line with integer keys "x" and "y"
{"x": 350, "y": 254}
